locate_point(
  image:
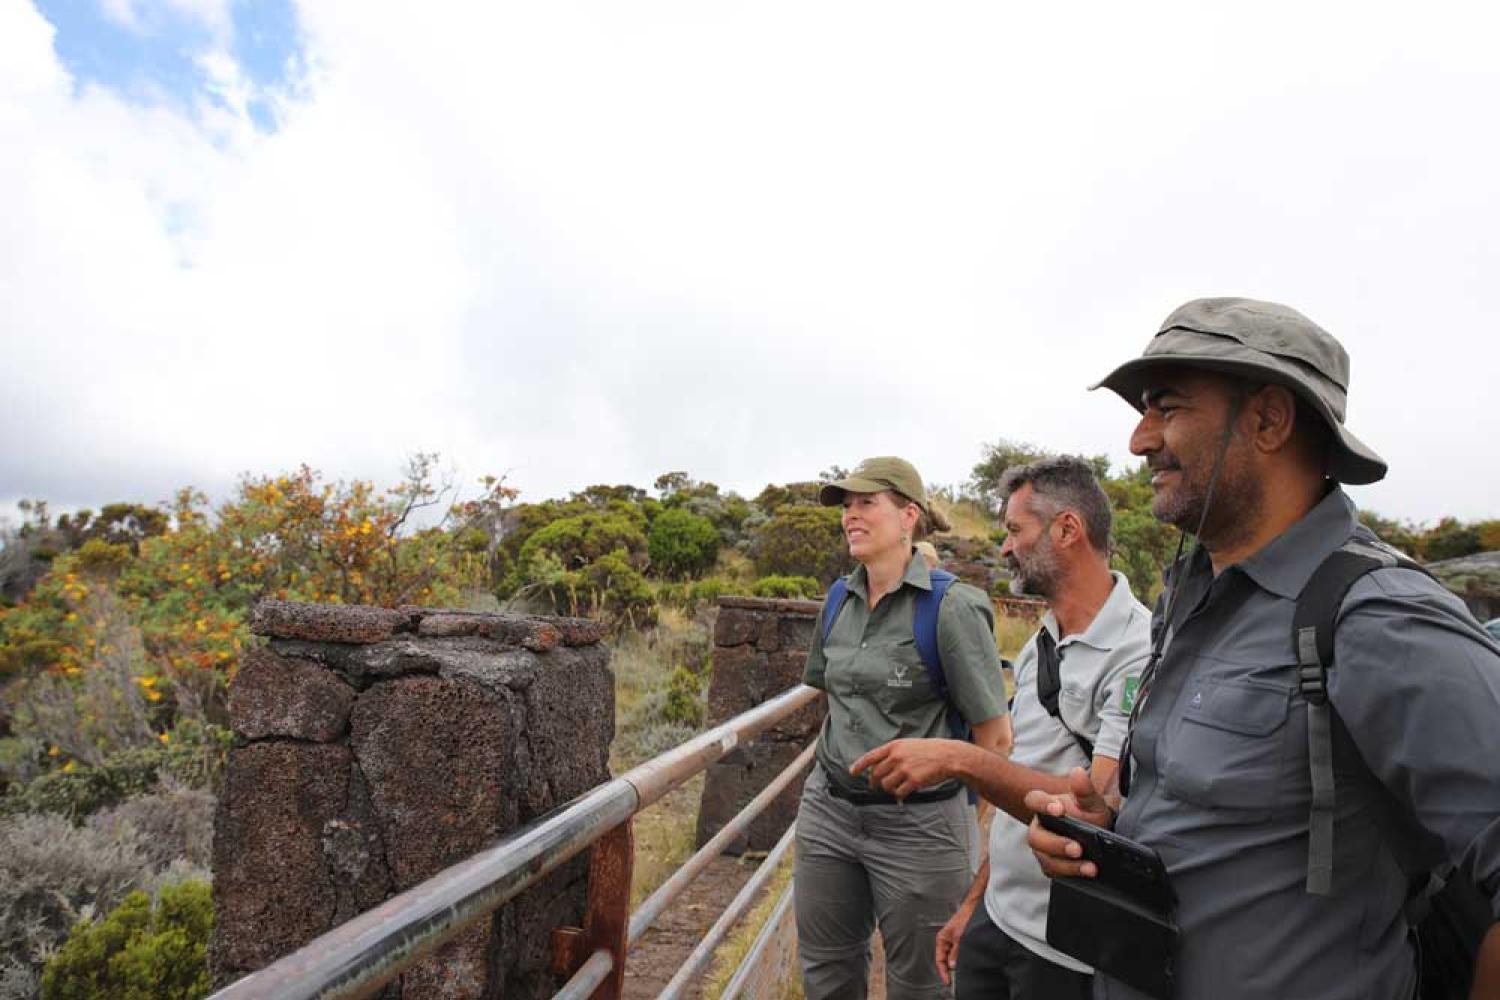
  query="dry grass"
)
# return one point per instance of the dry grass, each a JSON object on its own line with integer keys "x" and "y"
{"x": 737, "y": 945}
{"x": 643, "y": 663}
{"x": 735, "y": 565}
{"x": 665, "y": 836}
{"x": 969, "y": 519}
{"x": 1011, "y": 634}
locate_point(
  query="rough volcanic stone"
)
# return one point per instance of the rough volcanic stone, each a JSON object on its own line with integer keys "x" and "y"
{"x": 736, "y": 779}
{"x": 272, "y": 893}
{"x": 796, "y": 632}
{"x": 759, "y": 653}
{"x": 558, "y": 900}
{"x": 529, "y": 633}
{"x": 355, "y": 853}
{"x": 769, "y": 638}
{"x": 507, "y": 626}
{"x": 775, "y": 605}
{"x": 569, "y": 723}
{"x": 784, "y": 670}
{"x": 435, "y": 754}
{"x": 400, "y": 657}
{"x": 458, "y": 970}
{"x": 326, "y": 623}
{"x": 735, "y": 626}
{"x": 738, "y": 683}
{"x": 493, "y": 666}
{"x": 278, "y": 696}
{"x": 457, "y": 733}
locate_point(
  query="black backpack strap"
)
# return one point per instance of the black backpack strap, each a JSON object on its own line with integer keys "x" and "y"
{"x": 1049, "y": 686}
{"x": 1312, "y": 637}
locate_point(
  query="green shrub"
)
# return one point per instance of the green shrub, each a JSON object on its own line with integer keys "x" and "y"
{"x": 710, "y": 589}
{"x": 684, "y": 702}
{"x": 696, "y": 594}
{"x": 787, "y": 586}
{"x": 802, "y": 541}
{"x": 609, "y": 588}
{"x": 682, "y": 543}
{"x": 619, "y": 591}
{"x": 51, "y": 874}
{"x": 141, "y": 951}
{"x": 672, "y": 595}
{"x": 192, "y": 753}
{"x": 1450, "y": 539}
{"x": 585, "y": 538}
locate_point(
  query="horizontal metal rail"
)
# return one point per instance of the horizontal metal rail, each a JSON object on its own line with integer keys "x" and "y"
{"x": 704, "y": 952}
{"x": 589, "y": 977}
{"x": 600, "y": 963}
{"x": 759, "y": 950}
{"x": 358, "y": 957}
{"x": 669, "y": 890}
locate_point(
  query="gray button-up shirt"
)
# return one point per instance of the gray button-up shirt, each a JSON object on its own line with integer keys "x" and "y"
{"x": 1221, "y": 786}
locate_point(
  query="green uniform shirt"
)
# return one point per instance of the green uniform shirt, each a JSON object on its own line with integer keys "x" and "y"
{"x": 878, "y": 689}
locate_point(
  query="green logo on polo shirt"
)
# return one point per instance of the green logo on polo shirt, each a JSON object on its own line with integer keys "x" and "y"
{"x": 1127, "y": 697}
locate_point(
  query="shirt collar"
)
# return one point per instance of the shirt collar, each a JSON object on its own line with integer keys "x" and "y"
{"x": 917, "y": 574}
{"x": 1110, "y": 622}
{"x": 1285, "y": 565}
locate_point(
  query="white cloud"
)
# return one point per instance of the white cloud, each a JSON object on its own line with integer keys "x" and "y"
{"x": 593, "y": 244}
{"x": 146, "y": 15}
{"x": 122, "y": 12}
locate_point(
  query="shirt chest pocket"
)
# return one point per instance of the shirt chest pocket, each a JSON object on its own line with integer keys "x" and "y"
{"x": 1227, "y": 746}
{"x": 896, "y": 678}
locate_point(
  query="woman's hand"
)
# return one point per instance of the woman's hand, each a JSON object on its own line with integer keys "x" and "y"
{"x": 1061, "y": 856}
{"x": 946, "y": 954}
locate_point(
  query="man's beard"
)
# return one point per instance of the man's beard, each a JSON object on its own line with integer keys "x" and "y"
{"x": 1036, "y": 574}
{"x": 1236, "y": 497}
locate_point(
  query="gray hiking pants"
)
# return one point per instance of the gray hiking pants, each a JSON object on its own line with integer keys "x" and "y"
{"x": 905, "y": 867}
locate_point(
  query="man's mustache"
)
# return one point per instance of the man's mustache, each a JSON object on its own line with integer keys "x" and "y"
{"x": 1162, "y": 463}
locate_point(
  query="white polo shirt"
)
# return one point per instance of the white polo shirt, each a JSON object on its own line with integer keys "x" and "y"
{"x": 1100, "y": 670}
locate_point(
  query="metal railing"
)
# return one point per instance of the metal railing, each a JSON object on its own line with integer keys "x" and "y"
{"x": 357, "y": 958}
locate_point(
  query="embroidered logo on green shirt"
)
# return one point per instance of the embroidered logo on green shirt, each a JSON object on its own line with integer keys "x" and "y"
{"x": 1127, "y": 697}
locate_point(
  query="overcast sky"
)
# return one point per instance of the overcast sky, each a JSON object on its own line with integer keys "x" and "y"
{"x": 596, "y": 242}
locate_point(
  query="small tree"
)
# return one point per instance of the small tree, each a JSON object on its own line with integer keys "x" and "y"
{"x": 802, "y": 541}
{"x": 682, "y": 544}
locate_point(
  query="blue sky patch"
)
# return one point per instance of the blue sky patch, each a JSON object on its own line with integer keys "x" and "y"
{"x": 149, "y": 52}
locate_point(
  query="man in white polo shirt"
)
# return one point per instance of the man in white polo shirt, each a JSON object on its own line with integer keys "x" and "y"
{"x": 1075, "y": 682}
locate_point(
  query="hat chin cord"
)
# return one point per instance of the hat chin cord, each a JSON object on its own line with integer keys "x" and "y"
{"x": 1158, "y": 642}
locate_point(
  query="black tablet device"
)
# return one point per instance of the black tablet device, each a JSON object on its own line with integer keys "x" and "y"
{"x": 1131, "y": 867}
{"x": 1122, "y": 921}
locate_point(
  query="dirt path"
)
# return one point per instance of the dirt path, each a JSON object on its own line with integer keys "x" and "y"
{"x": 665, "y": 946}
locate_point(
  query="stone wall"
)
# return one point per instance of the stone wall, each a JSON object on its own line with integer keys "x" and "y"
{"x": 375, "y": 747}
{"x": 760, "y": 647}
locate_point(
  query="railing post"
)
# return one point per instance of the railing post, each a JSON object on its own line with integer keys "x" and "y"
{"x": 607, "y": 921}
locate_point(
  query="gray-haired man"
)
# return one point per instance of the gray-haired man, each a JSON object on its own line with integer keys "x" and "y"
{"x": 1074, "y": 683}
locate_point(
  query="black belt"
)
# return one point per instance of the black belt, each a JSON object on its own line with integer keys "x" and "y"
{"x": 859, "y": 798}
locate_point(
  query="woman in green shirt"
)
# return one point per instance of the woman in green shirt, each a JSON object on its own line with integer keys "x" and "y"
{"x": 863, "y": 857}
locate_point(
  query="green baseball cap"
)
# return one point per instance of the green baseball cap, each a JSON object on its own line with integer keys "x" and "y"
{"x": 876, "y": 475}
{"x": 1263, "y": 341}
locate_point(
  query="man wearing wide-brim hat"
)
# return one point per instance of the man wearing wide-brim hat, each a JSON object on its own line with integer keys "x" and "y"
{"x": 1290, "y": 823}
